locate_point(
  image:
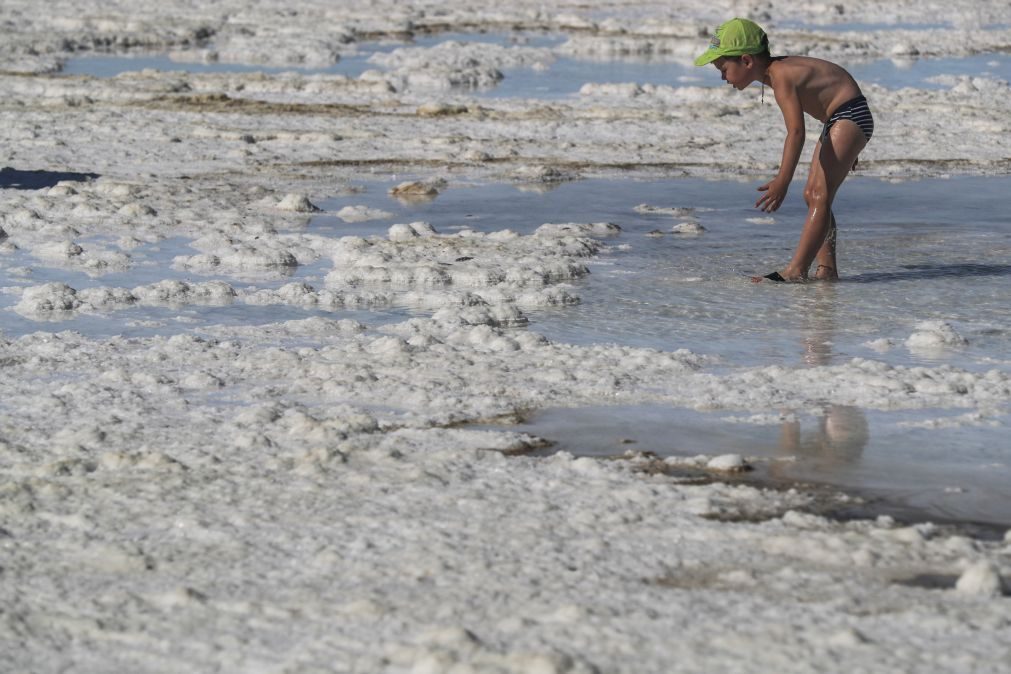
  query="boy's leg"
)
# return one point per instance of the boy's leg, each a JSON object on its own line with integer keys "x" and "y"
{"x": 826, "y": 254}
{"x": 833, "y": 157}
{"x": 826, "y": 270}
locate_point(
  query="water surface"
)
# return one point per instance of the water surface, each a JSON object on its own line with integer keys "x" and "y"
{"x": 908, "y": 252}
{"x": 937, "y": 249}
{"x": 886, "y": 457}
{"x": 564, "y": 77}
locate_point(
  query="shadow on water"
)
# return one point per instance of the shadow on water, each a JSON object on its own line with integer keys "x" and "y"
{"x": 920, "y": 272}
{"x": 36, "y": 180}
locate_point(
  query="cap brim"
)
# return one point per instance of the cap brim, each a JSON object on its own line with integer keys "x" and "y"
{"x": 708, "y": 57}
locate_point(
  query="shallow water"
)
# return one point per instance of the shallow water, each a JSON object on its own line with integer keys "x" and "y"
{"x": 937, "y": 249}
{"x": 349, "y": 65}
{"x": 921, "y": 72}
{"x": 948, "y": 474}
{"x": 934, "y": 249}
{"x": 152, "y": 263}
{"x": 566, "y": 75}
{"x": 907, "y": 253}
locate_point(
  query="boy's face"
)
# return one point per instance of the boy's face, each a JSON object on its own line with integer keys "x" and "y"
{"x": 735, "y": 71}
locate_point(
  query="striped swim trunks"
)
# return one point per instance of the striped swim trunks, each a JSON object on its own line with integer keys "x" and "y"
{"x": 855, "y": 110}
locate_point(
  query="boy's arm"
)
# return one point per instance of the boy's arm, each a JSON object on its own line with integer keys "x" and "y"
{"x": 793, "y": 116}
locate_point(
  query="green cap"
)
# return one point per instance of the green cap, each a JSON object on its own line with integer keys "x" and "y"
{"x": 735, "y": 38}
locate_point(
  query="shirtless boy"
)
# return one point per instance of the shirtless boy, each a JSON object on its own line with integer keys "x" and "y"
{"x": 824, "y": 90}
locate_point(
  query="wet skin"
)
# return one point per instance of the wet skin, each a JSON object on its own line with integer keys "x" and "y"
{"x": 804, "y": 85}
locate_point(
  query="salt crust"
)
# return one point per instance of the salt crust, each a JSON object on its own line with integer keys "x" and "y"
{"x": 417, "y": 256}
{"x": 674, "y": 211}
{"x": 981, "y": 578}
{"x": 304, "y": 478}
{"x": 508, "y": 269}
{"x": 362, "y": 214}
{"x": 729, "y": 463}
{"x": 381, "y": 511}
{"x": 688, "y": 228}
{"x": 935, "y": 335}
{"x": 453, "y": 64}
{"x": 297, "y": 203}
{"x": 610, "y": 125}
{"x": 599, "y": 133}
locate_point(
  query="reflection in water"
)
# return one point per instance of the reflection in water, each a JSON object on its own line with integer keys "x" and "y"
{"x": 840, "y": 437}
{"x": 539, "y": 187}
{"x": 842, "y": 433}
{"x": 818, "y": 324}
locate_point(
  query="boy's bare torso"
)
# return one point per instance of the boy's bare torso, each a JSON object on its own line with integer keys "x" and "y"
{"x": 821, "y": 86}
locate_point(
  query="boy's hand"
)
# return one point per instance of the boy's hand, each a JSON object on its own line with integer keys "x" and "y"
{"x": 775, "y": 192}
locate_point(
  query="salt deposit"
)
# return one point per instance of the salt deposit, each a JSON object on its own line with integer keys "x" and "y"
{"x": 417, "y": 189}
{"x": 337, "y": 492}
{"x": 981, "y": 578}
{"x": 730, "y": 463}
{"x": 676, "y": 211}
{"x": 416, "y": 255}
{"x": 362, "y": 214}
{"x": 297, "y": 203}
{"x": 931, "y": 335}
{"x": 599, "y": 229}
{"x": 454, "y": 64}
{"x": 689, "y": 228}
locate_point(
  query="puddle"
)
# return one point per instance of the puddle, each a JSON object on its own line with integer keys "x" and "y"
{"x": 152, "y": 263}
{"x": 906, "y": 254}
{"x": 349, "y": 65}
{"x": 565, "y": 76}
{"x": 920, "y": 72}
{"x": 909, "y": 252}
{"x": 956, "y": 474}
{"x": 934, "y": 249}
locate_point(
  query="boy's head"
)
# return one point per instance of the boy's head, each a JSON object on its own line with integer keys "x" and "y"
{"x": 735, "y": 38}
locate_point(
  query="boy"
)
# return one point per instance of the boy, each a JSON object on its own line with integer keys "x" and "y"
{"x": 740, "y": 51}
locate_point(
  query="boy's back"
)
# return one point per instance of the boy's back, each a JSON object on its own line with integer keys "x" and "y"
{"x": 820, "y": 85}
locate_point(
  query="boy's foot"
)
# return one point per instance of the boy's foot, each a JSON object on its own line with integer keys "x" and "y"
{"x": 826, "y": 273}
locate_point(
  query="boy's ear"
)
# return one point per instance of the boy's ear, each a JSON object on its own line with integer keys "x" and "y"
{"x": 747, "y": 60}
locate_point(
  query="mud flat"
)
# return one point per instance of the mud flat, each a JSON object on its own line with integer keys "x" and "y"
{"x": 308, "y": 491}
